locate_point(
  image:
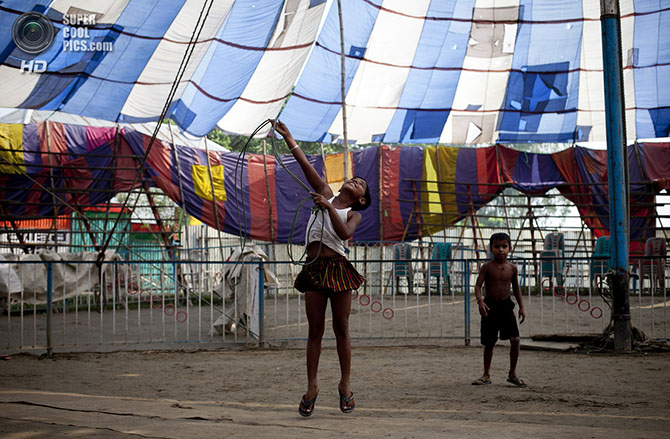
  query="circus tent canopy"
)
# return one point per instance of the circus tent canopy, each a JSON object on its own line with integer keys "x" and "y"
{"x": 425, "y": 71}
{"x": 167, "y": 133}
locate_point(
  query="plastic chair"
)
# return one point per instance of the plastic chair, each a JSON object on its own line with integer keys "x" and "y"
{"x": 653, "y": 264}
{"x": 600, "y": 260}
{"x": 402, "y": 265}
{"x": 552, "y": 262}
{"x": 439, "y": 265}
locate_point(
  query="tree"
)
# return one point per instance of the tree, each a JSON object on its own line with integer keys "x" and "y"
{"x": 255, "y": 145}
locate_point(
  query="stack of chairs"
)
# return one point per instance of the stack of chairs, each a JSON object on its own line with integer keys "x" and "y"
{"x": 439, "y": 266}
{"x": 552, "y": 262}
{"x": 402, "y": 265}
{"x": 653, "y": 264}
{"x": 600, "y": 260}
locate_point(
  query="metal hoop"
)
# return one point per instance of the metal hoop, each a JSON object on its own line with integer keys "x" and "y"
{"x": 562, "y": 289}
{"x": 599, "y": 315}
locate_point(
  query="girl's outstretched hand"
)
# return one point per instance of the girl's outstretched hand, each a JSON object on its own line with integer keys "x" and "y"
{"x": 281, "y": 128}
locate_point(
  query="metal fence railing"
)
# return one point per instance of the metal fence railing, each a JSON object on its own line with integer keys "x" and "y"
{"x": 70, "y": 305}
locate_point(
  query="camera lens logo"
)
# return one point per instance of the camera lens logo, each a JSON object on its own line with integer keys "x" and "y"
{"x": 33, "y": 32}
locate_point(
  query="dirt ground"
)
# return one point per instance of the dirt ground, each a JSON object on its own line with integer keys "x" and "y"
{"x": 401, "y": 392}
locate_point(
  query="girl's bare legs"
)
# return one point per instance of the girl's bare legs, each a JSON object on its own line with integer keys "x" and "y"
{"x": 341, "y": 307}
{"x": 315, "y": 308}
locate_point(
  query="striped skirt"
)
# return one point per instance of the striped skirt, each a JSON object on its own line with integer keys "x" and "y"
{"x": 328, "y": 275}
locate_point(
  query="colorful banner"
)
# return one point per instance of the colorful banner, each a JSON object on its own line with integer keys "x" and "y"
{"x": 50, "y": 169}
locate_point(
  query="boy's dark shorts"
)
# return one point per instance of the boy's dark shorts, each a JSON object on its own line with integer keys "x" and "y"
{"x": 501, "y": 319}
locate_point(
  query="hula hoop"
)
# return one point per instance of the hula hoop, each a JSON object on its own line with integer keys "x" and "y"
{"x": 550, "y": 284}
{"x": 181, "y": 320}
{"x": 134, "y": 289}
{"x": 388, "y": 317}
{"x": 588, "y": 305}
{"x": 360, "y": 299}
{"x": 156, "y": 300}
{"x": 562, "y": 289}
{"x": 372, "y": 306}
{"x": 567, "y": 298}
{"x": 354, "y": 294}
{"x": 599, "y": 315}
{"x": 168, "y": 306}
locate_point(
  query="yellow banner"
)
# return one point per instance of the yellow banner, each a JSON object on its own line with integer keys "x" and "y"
{"x": 11, "y": 151}
{"x": 439, "y": 202}
{"x": 334, "y": 170}
{"x": 203, "y": 184}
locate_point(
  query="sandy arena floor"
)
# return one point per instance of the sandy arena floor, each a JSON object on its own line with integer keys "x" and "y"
{"x": 401, "y": 392}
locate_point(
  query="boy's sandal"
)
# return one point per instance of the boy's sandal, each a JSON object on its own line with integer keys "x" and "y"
{"x": 347, "y": 404}
{"x": 481, "y": 381}
{"x": 516, "y": 381}
{"x": 306, "y": 408}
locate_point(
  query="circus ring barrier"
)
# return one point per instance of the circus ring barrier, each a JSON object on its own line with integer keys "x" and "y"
{"x": 192, "y": 309}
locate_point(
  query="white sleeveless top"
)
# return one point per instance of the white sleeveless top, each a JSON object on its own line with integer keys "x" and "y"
{"x": 329, "y": 236}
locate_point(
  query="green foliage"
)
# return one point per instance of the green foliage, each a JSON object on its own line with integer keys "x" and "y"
{"x": 255, "y": 145}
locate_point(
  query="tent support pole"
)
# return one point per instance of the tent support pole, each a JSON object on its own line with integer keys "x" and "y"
{"x": 616, "y": 171}
{"x": 267, "y": 191}
{"x": 344, "y": 105}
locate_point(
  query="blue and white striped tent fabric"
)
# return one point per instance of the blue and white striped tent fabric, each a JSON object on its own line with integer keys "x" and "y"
{"x": 419, "y": 71}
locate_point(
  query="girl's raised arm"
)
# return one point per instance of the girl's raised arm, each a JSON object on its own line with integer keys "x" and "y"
{"x": 313, "y": 178}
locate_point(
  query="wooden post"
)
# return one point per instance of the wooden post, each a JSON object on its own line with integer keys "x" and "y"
{"x": 267, "y": 191}
{"x": 344, "y": 106}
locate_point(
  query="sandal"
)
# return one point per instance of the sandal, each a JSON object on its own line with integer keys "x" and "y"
{"x": 516, "y": 381}
{"x": 306, "y": 408}
{"x": 347, "y": 405}
{"x": 481, "y": 381}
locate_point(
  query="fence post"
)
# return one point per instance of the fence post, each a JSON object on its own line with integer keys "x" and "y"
{"x": 261, "y": 303}
{"x": 466, "y": 301}
{"x": 49, "y": 305}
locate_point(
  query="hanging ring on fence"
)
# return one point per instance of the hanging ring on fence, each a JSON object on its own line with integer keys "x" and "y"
{"x": 367, "y": 299}
{"x": 547, "y": 288}
{"x": 556, "y": 288}
{"x": 168, "y": 306}
{"x": 599, "y": 310}
{"x": 588, "y": 305}
{"x": 156, "y": 304}
{"x": 354, "y": 294}
{"x": 574, "y": 296}
{"x": 134, "y": 289}
{"x": 372, "y": 306}
{"x": 181, "y": 313}
{"x": 388, "y": 317}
